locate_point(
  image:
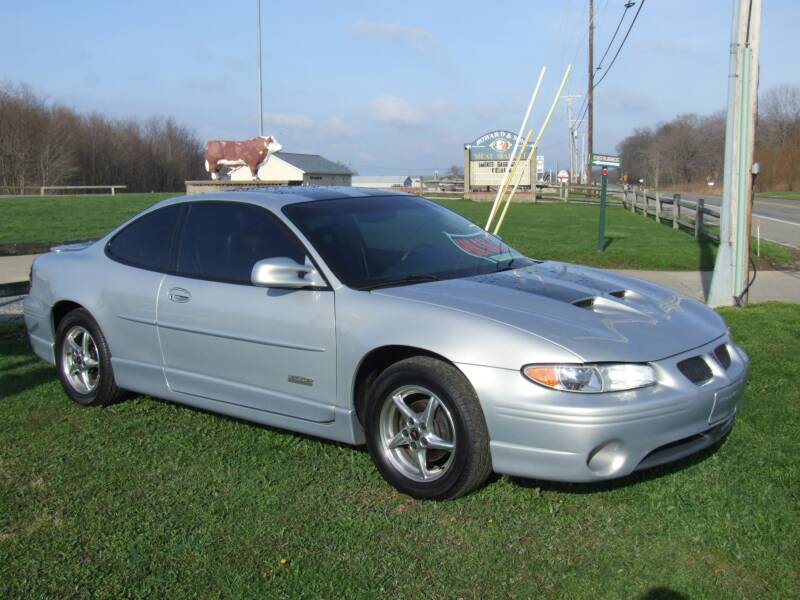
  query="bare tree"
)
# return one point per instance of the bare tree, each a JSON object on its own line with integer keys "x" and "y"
{"x": 44, "y": 144}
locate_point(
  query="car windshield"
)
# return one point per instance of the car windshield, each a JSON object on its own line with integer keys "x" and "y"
{"x": 372, "y": 242}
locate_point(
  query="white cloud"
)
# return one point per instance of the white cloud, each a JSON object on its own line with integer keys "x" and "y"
{"x": 421, "y": 40}
{"x": 289, "y": 121}
{"x": 336, "y": 127}
{"x": 394, "y": 110}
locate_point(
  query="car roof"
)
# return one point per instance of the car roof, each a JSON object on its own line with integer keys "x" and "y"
{"x": 279, "y": 196}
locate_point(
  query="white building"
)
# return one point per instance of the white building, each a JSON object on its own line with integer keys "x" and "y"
{"x": 290, "y": 168}
{"x": 382, "y": 181}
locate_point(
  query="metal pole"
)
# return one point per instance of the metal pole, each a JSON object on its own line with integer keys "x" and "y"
{"x": 590, "y": 99}
{"x": 601, "y": 237}
{"x": 260, "y": 87}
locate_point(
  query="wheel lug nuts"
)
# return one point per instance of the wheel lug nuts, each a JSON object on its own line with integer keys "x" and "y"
{"x": 423, "y": 442}
{"x": 405, "y": 432}
{"x": 422, "y": 426}
{"x": 410, "y": 422}
{"x": 413, "y": 445}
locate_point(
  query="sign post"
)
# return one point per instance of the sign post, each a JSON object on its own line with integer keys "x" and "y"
{"x": 601, "y": 237}
{"x": 605, "y": 161}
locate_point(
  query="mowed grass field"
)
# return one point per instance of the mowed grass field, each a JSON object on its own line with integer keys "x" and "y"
{"x": 785, "y": 195}
{"x": 149, "y": 499}
{"x": 566, "y": 232}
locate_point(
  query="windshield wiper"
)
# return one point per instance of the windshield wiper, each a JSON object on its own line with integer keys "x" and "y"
{"x": 506, "y": 266}
{"x": 400, "y": 281}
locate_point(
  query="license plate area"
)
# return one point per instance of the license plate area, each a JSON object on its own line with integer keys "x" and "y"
{"x": 725, "y": 402}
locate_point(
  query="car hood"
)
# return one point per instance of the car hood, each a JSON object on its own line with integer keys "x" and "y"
{"x": 597, "y": 315}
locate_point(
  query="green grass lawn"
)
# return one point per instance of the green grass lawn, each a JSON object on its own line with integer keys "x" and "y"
{"x": 557, "y": 231}
{"x": 63, "y": 218}
{"x": 569, "y": 232}
{"x": 786, "y": 195}
{"x": 151, "y": 499}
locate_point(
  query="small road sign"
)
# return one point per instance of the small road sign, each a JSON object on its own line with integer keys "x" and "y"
{"x": 606, "y": 160}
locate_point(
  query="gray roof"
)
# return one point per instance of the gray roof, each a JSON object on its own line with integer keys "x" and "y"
{"x": 313, "y": 163}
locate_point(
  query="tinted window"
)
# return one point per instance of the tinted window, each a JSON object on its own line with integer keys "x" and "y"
{"x": 222, "y": 241}
{"x": 147, "y": 241}
{"x": 373, "y": 241}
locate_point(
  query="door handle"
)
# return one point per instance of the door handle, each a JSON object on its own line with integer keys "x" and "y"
{"x": 179, "y": 295}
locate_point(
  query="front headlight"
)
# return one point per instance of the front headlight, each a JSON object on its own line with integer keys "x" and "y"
{"x": 591, "y": 379}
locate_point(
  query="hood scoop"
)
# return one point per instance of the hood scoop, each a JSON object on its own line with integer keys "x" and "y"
{"x": 601, "y": 304}
{"x": 585, "y": 302}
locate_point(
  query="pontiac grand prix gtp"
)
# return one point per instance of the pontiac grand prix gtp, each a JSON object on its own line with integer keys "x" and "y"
{"x": 380, "y": 317}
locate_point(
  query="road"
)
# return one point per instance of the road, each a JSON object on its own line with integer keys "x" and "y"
{"x": 779, "y": 217}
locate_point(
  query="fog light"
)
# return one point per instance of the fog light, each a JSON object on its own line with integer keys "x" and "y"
{"x": 607, "y": 458}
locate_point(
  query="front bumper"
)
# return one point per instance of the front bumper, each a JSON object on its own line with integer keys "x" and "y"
{"x": 561, "y": 436}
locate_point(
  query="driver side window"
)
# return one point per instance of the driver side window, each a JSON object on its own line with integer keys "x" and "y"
{"x": 221, "y": 241}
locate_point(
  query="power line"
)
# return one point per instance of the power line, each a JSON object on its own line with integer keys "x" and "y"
{"x": 638, "y": 10}
{"x": 613, "y": 37}
{"x": 613, "y": 60}
{"x": 582, "y": 109}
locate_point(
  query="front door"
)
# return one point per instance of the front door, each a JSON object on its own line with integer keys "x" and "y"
{"x": 226, "y": 340}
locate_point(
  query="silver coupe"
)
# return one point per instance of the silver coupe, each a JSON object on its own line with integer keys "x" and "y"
{"x": 366, "y": 316}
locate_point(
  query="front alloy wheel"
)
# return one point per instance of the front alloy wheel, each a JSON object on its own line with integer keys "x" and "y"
{"x": 417, "y": 433}
{"x": 425, "y": 429}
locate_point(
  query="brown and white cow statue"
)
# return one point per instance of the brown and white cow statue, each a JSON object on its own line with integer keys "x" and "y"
{"x": 252, "y": 153}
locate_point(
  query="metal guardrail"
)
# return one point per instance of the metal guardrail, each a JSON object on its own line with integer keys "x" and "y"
{"x": 18, "y": 288}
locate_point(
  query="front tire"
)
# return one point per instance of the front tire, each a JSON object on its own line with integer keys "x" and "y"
{"x": 425, "y": 430}
{"x": 84, "y": 361}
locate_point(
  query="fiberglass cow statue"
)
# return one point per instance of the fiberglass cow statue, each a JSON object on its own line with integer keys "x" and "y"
{"x": 252, "y": 153}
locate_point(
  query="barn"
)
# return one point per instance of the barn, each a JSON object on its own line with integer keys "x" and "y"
{"x": 292, "y": 168}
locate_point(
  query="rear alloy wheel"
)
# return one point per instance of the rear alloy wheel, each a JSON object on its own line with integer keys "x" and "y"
{"x": 84, "y": 361}
{"x": 425, "y": 430}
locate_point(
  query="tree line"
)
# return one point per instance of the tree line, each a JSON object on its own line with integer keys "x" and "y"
{"x": 689, "y": 149}
{"x": 44, "y": 144}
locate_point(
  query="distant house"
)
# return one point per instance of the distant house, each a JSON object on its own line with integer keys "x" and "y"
{"x": 382, "y": 181}
{"x": 291, "y": 168}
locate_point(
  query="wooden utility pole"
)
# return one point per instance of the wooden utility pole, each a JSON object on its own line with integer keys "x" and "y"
{"x": 730, "y": 281}
{"x": 590, "y": 92}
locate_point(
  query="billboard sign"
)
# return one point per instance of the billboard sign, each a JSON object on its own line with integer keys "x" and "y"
{"x": 489, "y": 157}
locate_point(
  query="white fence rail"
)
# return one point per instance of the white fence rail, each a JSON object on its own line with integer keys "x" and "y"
{"x": 113, "y": 188}
{"x": 43, "y": 190}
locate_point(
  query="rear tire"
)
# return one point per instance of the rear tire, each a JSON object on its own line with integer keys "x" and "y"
{"x": 83, "y": 360}
{"x": 425, "y": 430}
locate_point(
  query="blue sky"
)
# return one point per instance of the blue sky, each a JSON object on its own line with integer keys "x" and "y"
{"x": 386, "y": 87}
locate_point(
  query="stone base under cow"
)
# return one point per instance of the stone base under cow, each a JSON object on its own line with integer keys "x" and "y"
{"x": 208, "y": 185}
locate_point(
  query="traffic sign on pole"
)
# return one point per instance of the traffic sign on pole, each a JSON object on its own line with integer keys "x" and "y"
{"x": 606, "y": 160}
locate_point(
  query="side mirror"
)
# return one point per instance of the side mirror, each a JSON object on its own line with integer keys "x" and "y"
{"x": 282, "y": 272}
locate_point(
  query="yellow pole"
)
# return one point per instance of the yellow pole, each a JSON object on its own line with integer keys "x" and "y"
{"x": 542, "y": 130}
{"x": 553, "y": 105}
{"x": 508, "y": 201}
{"x": 506, "y": 177}
{"x": 515, "y": 168}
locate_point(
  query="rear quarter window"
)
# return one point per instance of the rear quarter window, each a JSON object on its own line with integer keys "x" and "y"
{"x": 147, "y": 242}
